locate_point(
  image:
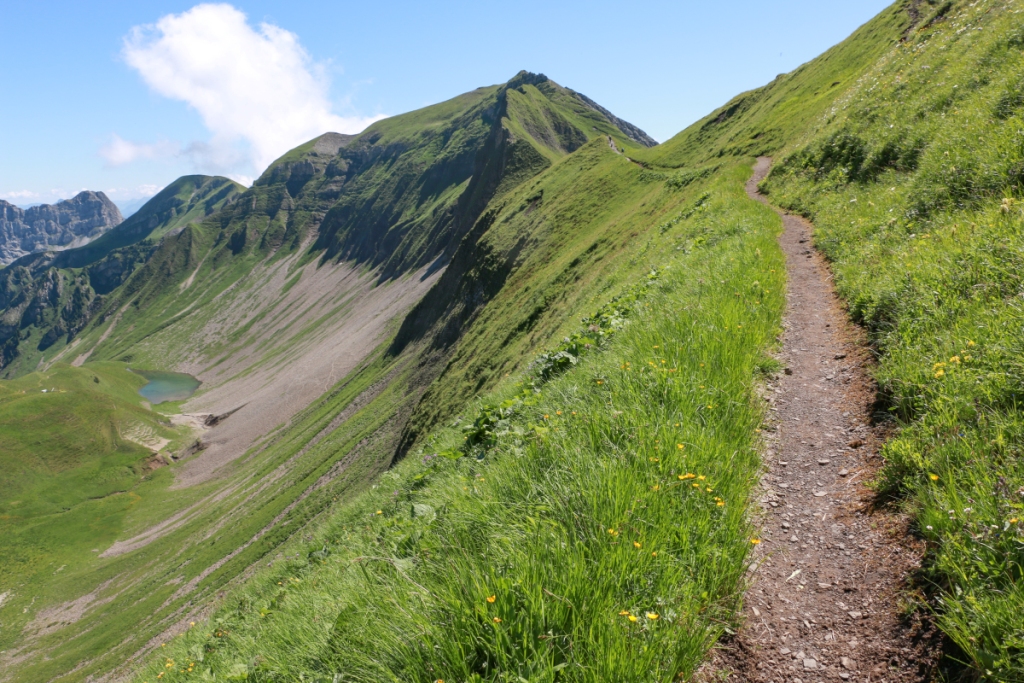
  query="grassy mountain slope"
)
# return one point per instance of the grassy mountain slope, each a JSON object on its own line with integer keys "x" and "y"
{"x": 583, "y": 512}
{"x": 72, "y": 438}
{"x": 413, "y": 564}
{"x": 584, "y": 518}
{"x": 47, "y": 298}
{"x": 918, "y": 172}
{"x": 467, "y": 570}
{"x": 298, "y": 280}
{"x": 242, "y": 296}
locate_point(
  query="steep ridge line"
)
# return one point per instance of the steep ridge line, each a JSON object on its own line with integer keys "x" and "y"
{"x": 827, "y": 579}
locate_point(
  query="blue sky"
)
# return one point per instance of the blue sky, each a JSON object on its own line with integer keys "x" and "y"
{"x": 126, "y": 96}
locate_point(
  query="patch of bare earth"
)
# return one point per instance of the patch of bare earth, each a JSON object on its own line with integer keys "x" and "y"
{"x": 827, "y": 580}
{"x": 305, "y": 340}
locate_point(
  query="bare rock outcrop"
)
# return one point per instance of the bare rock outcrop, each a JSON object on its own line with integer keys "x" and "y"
{"x": 70, "y": 223}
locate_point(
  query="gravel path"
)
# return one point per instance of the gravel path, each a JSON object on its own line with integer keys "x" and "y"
{"x": 827, "y": 579}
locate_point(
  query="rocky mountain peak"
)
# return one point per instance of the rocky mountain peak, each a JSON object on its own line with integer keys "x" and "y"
{"x": 69, "y": 223}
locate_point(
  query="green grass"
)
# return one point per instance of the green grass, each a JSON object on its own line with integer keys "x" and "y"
{"x": 72, "y": 474}
{"x": 918, "y": 174}
{"x": 583, "y": 509}
{"x": 403, "y": 595}
{"x": 286, "y": 481}
{"x": 230, "y": 523}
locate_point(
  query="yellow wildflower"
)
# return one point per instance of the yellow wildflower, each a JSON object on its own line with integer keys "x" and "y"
{"x": 970, "y": 343}
{"x": 654, "y": 554}
{"x": 755, "y": 541}
{"x": 652, "y": 615}
{"x": 954, "y": 359}
{"x": 720, "y": 503}
{"x": 701, "y": 478}
{"x": 933, "y": 477}
{"x": 636, "y": 544}
{"x": 492, "y": 598}
{"x": 656, "y": 487}
{"x": 380, "y": 512}
{"x": 632, "y": 618}
{"x": 613, "y": 532}
{"x": 624, "y": 613}
{"x": 680, "y": 446}
{"x": 496, "y": 620}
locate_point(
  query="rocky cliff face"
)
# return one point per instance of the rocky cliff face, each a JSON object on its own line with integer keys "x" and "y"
{"x": 70, "y": 223}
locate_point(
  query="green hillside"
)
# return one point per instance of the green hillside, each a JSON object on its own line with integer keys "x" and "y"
{"x": 278, "y": 301}
{"x": 49, "y": 297}
{"x": 539, "y": 460}
{"x": 918, "y": 172}
{"x": 75, "y": 446}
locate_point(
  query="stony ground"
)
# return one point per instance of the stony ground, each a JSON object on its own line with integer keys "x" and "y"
{"x": 829, "y": 577}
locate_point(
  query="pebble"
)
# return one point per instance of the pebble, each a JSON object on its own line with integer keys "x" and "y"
{"x": 823, "y": 462}
{"x": 855, "y": 615}
{"x": 843, "y": 472}
{"x": 810, "y": 664}
{"x": 845, "y": 676}
{"x": 820, "y": 494}
{"x": 785, "y": 651}
{"x": 848, "y": 663}
{"x": 856, "y": 443}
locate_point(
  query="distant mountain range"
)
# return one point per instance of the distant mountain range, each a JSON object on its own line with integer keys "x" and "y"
{"x": 70, "y": 223}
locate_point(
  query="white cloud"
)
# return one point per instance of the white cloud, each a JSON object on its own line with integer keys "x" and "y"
{"x": 130, "y": 193}
{"x": 16, "y": 195}
{"x": 120, "y": 151}
{"x": 256, "y": 88}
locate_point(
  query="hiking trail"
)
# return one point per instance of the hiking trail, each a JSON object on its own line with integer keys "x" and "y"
{"x": 824, "y": 601}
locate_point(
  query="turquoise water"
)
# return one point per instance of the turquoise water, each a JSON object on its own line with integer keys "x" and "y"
{"x": 167, "y": 386}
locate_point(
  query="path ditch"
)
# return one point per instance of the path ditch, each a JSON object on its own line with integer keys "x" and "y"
{"x": 829, "y": 580}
